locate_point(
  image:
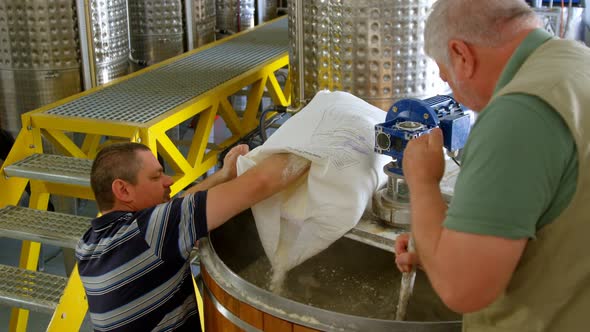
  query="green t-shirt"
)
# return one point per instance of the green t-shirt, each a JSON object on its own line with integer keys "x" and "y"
{"x": 519, "y": 167}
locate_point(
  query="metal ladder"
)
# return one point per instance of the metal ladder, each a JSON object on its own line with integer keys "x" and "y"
{"x": 24, "y": 288}
{"x": 141, "y": 107}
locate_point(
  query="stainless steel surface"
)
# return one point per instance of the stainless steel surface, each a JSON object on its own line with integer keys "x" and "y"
{"x": 110, "y": 39}
{"x": 26, "y": 90}
{"x": 567, "y": 22}
{"x": 391, "y": 209}
{"x": 58, "y": 229}
{"x": 155, "y": 29}
{"x": 86, "y": 53}
{"x": 375, "y": 230}
{"x": 30, "y": 290}
{"x": 266, "y": 10}
{"x": 145, "y": 97}
{"x": 234, "y": 248}
{"x": 370, "y": 48}
{"x": 203, "y": 22}
{"x": 39, "y": 60}
{"x": 234, "y": 15}
{"x": 371, "y": 231}
{"x": 392, "y": 203}
{"x": 52, "y": 168}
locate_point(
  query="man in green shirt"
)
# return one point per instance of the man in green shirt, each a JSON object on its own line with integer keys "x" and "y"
{"x": 520, "y": 201}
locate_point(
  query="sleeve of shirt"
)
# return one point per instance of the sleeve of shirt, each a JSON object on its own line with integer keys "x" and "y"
{"x": 173, "y": 228}
{"x": 193, "y": 222}
{"x": 510, "y": 170}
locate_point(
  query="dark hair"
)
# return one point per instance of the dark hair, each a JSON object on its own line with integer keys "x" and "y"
{"x": 116, "y": 161}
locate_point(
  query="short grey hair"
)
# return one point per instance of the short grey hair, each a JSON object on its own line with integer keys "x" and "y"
{"x": 483, "y": 23}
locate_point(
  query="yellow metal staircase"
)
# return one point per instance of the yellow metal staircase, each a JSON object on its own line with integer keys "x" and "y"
{"x": 141, "y": 107}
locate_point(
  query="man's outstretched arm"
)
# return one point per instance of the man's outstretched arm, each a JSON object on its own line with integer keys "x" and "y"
{"x": 228, "y": 172}
{"x": 267, "y": 178}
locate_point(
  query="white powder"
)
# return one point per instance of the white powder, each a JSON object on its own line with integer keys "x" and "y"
{"x": 277, "y": 280}
{"x": 279, "y": 270}
{"x": 295, "y": 166}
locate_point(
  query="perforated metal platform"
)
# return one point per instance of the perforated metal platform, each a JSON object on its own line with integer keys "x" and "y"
{"x": 58, "y": 229}
{"x": 31, "y": 290}
{"x": 144, "y": 97}
{"x": 52, "y": 168}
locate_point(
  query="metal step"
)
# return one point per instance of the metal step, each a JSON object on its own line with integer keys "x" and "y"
{"x": 30, "y": 290}
{"x": 52, "y": 168}
{"x": 58, "y": 229}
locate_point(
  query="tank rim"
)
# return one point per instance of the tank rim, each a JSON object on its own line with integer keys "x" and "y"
{"x": 300, "y": 313}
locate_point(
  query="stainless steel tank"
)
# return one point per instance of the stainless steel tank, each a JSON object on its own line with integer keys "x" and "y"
{"x": 339, "y": 289}
{"x": 204, "y": 20}
{"x": 39, "y": 57}
{"x": 566, "y": 22}
{"x": 155, "y": 30}
{"x": 40, "y": 51}
{"x": 370, "y": 48}
{"x": 267, "y": 10}
{"x": 110, "y": 39}
{"x": 234, "y": 15}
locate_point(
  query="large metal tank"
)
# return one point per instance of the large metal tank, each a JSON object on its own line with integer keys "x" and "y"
{"x": 156, "y": 30}
{"x": 266, "y": 10}
{"x": 110, "y": 39}
{"x": 234, "y": 15}
{"x": 39, "y": 58}
{"x": 40, "y": 51}
{"x": 566, "y": 22}
{"x": 370, "y": 48}
{"x": 204, "y": 20}
{"x": 337, "y": 290}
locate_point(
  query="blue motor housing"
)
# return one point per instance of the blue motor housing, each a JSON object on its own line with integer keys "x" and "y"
{"x": 410, "y": 118}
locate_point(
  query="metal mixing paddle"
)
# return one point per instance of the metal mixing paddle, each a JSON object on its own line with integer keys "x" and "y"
{"x": 407, "y": 286}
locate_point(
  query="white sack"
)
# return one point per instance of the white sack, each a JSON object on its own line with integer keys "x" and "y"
{"x": 335, "y": 131}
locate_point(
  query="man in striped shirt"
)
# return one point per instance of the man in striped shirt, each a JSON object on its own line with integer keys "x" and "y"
{"x": 134, "y": 260}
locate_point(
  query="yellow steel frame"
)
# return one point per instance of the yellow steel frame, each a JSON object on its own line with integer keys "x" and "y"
{"x": 38, "y": 124}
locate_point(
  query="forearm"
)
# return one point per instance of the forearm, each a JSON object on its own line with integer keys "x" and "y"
{"x": 428, "y": 210}
{"x": 209, "y": 182}
{"x": 281, "y": 170}
{"x": 269, "y": 177}
{"x": 467, "y": 271}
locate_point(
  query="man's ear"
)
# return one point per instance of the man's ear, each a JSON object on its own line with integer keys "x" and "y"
{"x": 122, "y": 191}
{"x": 462, "y": 59}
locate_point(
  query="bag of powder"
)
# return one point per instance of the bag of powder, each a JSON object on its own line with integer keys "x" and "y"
{"x": 335, "y": 132}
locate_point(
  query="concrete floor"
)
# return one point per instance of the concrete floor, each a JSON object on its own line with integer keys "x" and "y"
{"x": 54, "y": 264}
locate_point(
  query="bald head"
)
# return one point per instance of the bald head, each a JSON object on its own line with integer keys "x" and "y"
{"x": 477, "y": 22}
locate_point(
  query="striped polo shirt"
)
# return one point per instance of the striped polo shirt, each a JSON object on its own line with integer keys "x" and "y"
{"x": 135, "y": 267}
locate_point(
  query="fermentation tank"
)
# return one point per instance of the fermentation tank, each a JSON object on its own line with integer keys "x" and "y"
{"x": 234, "y": 15}
{"x": 350, "y": 286}
{"x": 204, "y": 20}
{"x": 110, "y": 39}
{"x": 155, "y": 29}
{"x": 373, "y": 49}
{"x": 267, "y": 10}
{"x": 39, "y": 56}
{"x": 40, "y": 52}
